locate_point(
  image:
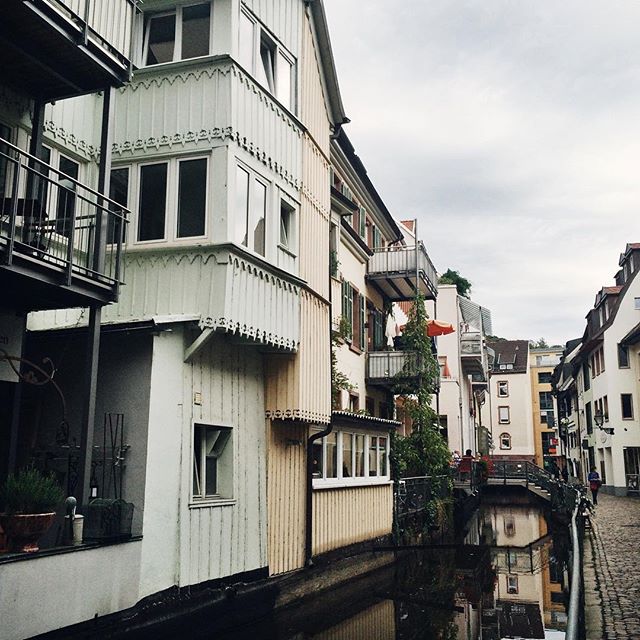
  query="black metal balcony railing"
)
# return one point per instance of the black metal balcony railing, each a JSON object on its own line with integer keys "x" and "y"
{"x": 53, "y": 219}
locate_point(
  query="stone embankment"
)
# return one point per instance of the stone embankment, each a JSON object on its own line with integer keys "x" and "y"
{"x": 612, "y": 570}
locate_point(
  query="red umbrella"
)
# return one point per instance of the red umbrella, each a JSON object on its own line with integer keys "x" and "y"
{"x": 436, "y": 328}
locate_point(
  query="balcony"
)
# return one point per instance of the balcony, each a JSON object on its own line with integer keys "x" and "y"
{"x": 388, "y": 368}
{"x": 54, "y": 49}
{"x": 472, "y": 354}
{"x": 395, "y": 271}
{"x": 229, "y": 288}
{"x": 60, "y": 241}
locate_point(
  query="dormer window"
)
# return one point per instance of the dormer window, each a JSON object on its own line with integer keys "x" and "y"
{"x": 176, "y": 35}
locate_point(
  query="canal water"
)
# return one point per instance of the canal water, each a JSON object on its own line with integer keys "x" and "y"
{"x": 506, "y": 577}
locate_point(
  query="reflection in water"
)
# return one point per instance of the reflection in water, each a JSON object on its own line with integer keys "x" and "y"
{"x": 505, "y": 579}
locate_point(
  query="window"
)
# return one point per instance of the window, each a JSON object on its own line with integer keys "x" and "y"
{"x": 287, "y": 226}
{"x": 192, "y": 197}
{"x": 267, "y": 60}
{"x": 512, "y": 585}
{"x": 623, "y": 357}
{"x": 503, "y": 389}
{"x": 178, "y": 35}
{"x": 589, "y": 417}
{"x": 370, "y": 405}
{"x": 544, "y": 377}
{"x": 504, "y": 415}
{"x": 152, "y": 205}
{"x": 251, "y": 207}
{"x": 119, "y": 193}
{"x": 212, "y": 460}
{"x": 546, "y": 400}
{"x": 354, "y": 402}
{"x": 354, "y": 315}
{"x": 505, "y": 441}
{"x": 340, "y": 458}
{"x": 626, "y": 400}
{"x": 66, "y": 202}
{"x": 5, "y": 134}
{"x": 636, "y": 303}
{"x": 586, "y": 383}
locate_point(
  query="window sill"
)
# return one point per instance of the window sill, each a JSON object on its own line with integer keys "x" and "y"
{"x": 287, "y": 250}
{"x": 176, "y": 65}
{"x": 212, "y": 502}
{"x": 341, "y": 483}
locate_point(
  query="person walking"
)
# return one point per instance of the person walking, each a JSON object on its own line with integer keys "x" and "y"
{"x": 594, "y": 484}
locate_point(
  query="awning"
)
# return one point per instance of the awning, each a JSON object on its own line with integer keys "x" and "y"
{"x": 632, "y": 337}
{"x": 436, "y": 328}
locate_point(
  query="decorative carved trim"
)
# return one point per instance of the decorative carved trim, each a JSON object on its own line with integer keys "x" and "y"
{"x": 248, "y": 331}
{"x": 298, "y": 414}
{"x": 71, "y": 140}
{"x": 173, "y": 76}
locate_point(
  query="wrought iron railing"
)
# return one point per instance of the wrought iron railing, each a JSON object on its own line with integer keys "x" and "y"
{"x": 469, "y": 476}
{"x": 51, "y": 217}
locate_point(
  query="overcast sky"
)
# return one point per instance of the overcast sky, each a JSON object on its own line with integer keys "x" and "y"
{"x": 511, "y": 131}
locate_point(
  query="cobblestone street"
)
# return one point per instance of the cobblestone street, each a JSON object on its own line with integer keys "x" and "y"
{"x": 612, "y": 570}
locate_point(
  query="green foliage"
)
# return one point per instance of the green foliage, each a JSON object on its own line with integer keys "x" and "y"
{"x": 334, "y": 263}
{"x": 339, "y": 381}
{"x": 462, "y": 284}
{"x": 30, "y": 492}
{"x": 425, "y": 451}
{"x": 540, "y": 343}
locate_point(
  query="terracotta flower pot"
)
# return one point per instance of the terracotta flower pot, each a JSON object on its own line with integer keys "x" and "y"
{"x": 24, "y": 530}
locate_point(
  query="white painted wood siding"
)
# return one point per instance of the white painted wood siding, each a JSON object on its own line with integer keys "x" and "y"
{"x": 229, "y": 289}
{"x": 377, "y": 622}
{"x": 282, "y": 17}
{"x": 349, "y": 515}
{"x": 111, "y": 20}
{"x": 286, "y": 495}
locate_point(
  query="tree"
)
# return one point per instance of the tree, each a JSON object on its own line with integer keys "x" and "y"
{"x": 540, "y": 343}
{"x": 462, "y": 284}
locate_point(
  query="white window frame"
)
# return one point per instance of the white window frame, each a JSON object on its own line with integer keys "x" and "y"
{"x": 636, "y": 304}
{"x": 505, "y": 435}
{"x": 508, "y": 419}
{"x": 260, "y": 31}
{"x": 268, "y": 212}
{"x": 170, "y": 236}
{"x": 177, "y": 47}
{"x": 213, "y": 499}
{"x": 292, "y": 241}
{"x": 502, "y": 385}
{"x": 354, "y": 481}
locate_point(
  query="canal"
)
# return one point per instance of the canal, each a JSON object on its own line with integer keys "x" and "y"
{"x": 506, "y": 576}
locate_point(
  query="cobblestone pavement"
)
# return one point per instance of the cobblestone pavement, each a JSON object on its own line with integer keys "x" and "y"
{"x": 612, "y": 570}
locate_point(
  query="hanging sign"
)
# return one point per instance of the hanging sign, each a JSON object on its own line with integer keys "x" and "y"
{"x": 11, "y": 336}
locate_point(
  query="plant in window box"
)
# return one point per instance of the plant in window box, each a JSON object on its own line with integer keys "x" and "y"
{"x": 29, "y": 500}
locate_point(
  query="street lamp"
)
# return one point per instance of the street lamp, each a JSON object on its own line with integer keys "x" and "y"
{"x": 599, "y": 420}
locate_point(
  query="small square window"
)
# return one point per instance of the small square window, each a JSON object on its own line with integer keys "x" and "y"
{"x": 212, "y": 462}
{"x": 512, "y": 584}
{"x": 505, "y": 441}
{"x": 503, "y": 389}
{"x": 287, "y": 222}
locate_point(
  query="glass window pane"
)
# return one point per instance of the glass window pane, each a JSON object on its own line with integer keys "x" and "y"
{"x": 382, "y": 456}
{"x": 242, "y": 206}
{"x": 318, "y": 462}
{"x": 211, "y": 475}
{"x": 192, "y": 197}
{"x": 118, "y": 192}
{"x": 347, "y": 455}
{"x": 359, "y": 456}
{"x": 283, "y": 89}
{"x": 332, "y": 455}
{"x": 247, "y": 40}
{"x": 197, "y": 459}
{"x": 196, "y": 30}
{"x": 373, "y": 456}
{"x": 161, "y": 34}
{"x": 266, "y": 75}
{"x": 153, "y": 201}
{"x": 258, "y": 207}
{"x": 66, "y": 196}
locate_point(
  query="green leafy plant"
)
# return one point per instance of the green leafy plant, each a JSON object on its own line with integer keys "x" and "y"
{"x": 334, "y": 263}
{"x": 30, "y": 491}
{"x": 339, "y": 381}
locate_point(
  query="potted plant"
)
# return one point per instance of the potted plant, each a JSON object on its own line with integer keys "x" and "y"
{"x": 28, "y": 501}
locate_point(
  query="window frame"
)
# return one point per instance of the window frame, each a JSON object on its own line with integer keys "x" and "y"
{"x": 262, "y": 32}
{"x": 196, "y": 501}
{"x": 292, "y": 240}
{"x": 505, "y": 436}
{"x": 623, "y": 349}
{"x": 254, "y": 176}
{"x": 502, "y": 385}
{"x": 356, "y": 480}
{"x": 177, "y": 35}
{"x": 508, "y": 419}
{"x": 172, "y": 194}
{"x": 622, "y": 412}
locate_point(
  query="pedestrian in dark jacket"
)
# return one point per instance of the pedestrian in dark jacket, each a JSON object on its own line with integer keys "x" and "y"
{"x": 594, "y": 484}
